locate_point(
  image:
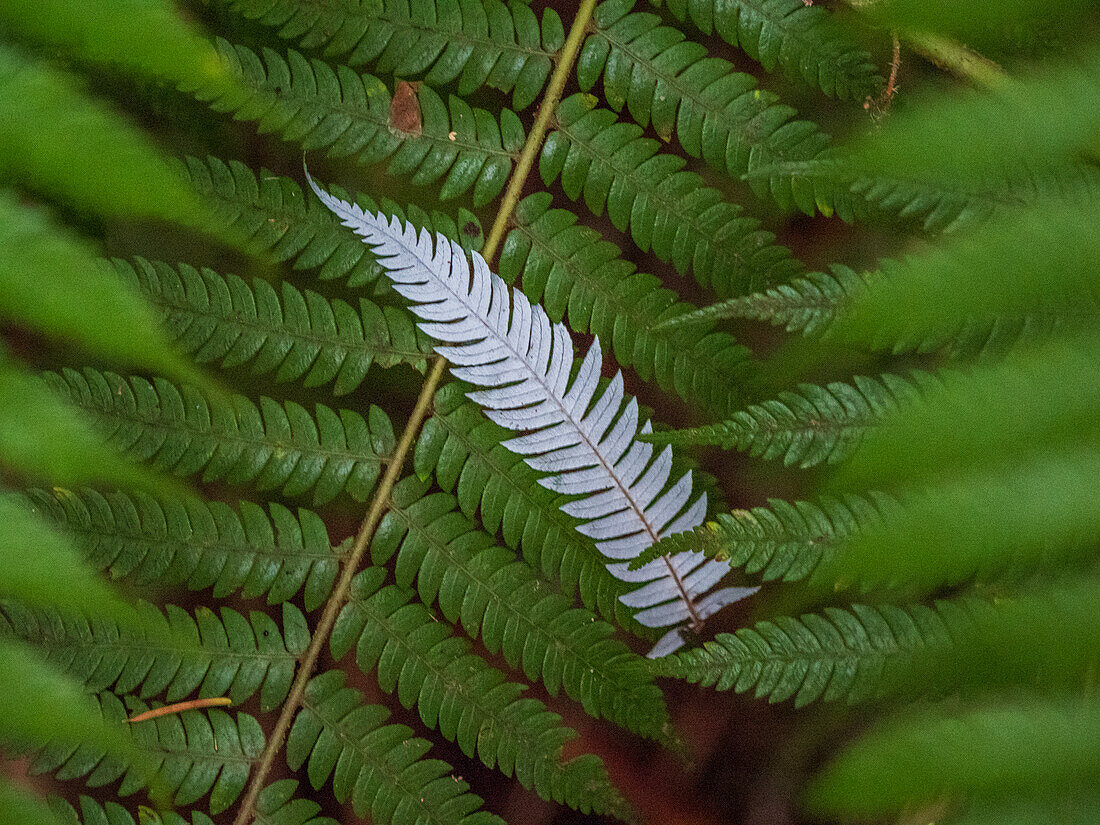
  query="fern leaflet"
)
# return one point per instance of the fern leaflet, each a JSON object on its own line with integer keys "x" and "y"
{"x": 852, "y": 654}
{"x": 500, "y": 341}
{"x": 273, "y": 445}
{"x": 470, "y": 703}
{"x": 486, "y": 43}
{"x": 186, "y": 755}
{"x": 784, "y": 540}
{"x": 302, "y": 334}
{"x": 169, "y": 542}
{"x": 175, "y": 654}
{"x": 317, "y": 106}
{"x": 802, "y": 38}
{"x": 811, "y": 426}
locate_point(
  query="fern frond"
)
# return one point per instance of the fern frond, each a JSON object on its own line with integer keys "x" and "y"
{"x": 464, "y": 451}
{"x": 844, "y": 188}
{"x": 275, "y": 806}
{"x": 575, "y": 275}
{"x": 666, "y": 209}
{"x": 186, "y": 755}
{"x": 316, "y": 106}
{"x": 302, "y": 336}
{"x": 499, "y": 599}
{"x": 499, "y": 341}
{"x": 989, "y": 752}
{"x": 181, "y": 541}
{"x": 272, "y": 445}
{"x": 807, "y": 304}
{"x": 785, "y": 540}
{"x": 852, "y": 654}
{"x": 716, "y": 113}
{"x": 816, "y": 424}
{"x": 273, "y": 213}
{"x": 478, "y": 44}
{"x": 471, "y": 703}
{"x": 379, "y": 767}
{"x": 803, "y": 39}
{"x": 174, "y": 654}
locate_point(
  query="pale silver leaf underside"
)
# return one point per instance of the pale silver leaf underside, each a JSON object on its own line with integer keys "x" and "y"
{"x": 584, "y": 439}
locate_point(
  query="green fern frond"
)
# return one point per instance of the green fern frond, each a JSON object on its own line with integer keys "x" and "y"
{"x": 853, "y": 655}
{"x": 175, "y": 654}
{"x": 498, "y": 599}
{"x": 276, "y": 805}
{"x": 186, "y": 755}
{"x": 303, "y": 335}
{"x": 486, "y": 43}
{"x": 316, "y": 106}
{"x": 666, "y": 209}
{"x": 716, "y": 113}
{"x": 816, "y": 424}
{"x": 169, "y": 542}
{"x": 803, "y": 39}
{"x": 179, "y": 430}
{"x": 462, "y": 449}
{"x": 275, "y": 215}
{"x": 812, "y": 303}
{"x": 850, "y": 192}
{"x": 471, "y": 703}
{"x": 574, "y": 274}
{"x": 785, "y": 540}
{"x": 379, "y": 767}
{"x": 807, "y": 304}
{"x": 1033, "y": 747}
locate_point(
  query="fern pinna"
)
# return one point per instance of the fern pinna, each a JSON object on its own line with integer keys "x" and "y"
{"x": 526, "y": 530}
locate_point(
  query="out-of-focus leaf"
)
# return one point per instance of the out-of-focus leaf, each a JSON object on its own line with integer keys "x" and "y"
{"x": 43, "y": 438}
{"x": 147, "y": 37}
{"x": 51, "y": 282}
{"x": 56, "y": 139}
{"x": 40, "y": 566}
{"x": 1041, "y": 748}
{"x": 19, "y": 806}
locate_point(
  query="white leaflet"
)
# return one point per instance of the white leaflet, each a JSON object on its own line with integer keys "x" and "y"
{"x": 585, "y": 440}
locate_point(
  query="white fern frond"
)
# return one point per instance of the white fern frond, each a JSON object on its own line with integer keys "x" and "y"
{"x": 586, "y": 442}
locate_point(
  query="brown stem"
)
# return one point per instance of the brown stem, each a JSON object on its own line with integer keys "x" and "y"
{"x": 380, "y": 501}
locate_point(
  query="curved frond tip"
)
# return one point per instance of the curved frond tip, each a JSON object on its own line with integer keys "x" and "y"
{"x": 585, "y": 441}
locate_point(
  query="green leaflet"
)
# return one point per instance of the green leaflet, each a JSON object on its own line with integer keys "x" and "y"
{"x": 470, "y": 703}
{"x": 379, "y": 767}
{"x": 499, "y": 599}
{"x": 665, "y": 208}
{"x": 186, "y": 756}
{"x": 317, "y": 106}
{"x": 274, "y": 214}
{"x": 169, "y": 542}
{"x": 783, "y": 541}
{"x": 805, "y": 40}
{"x": 579, "y": 277}
{"x": 812, "y": 426}
{"x": 301, "y": 335}
{"x": 276, "y": 806}
{"x": 478, "y": 44}
{"x": 272, "y": 445}
{"x": 851, "y": 654}
{"x": 174, "y": 654}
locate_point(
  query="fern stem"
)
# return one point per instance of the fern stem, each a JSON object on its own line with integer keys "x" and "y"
{"x": 958, "y": 59}
{"x": 381, "y": 500}
{"x": 538, "y": 131}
